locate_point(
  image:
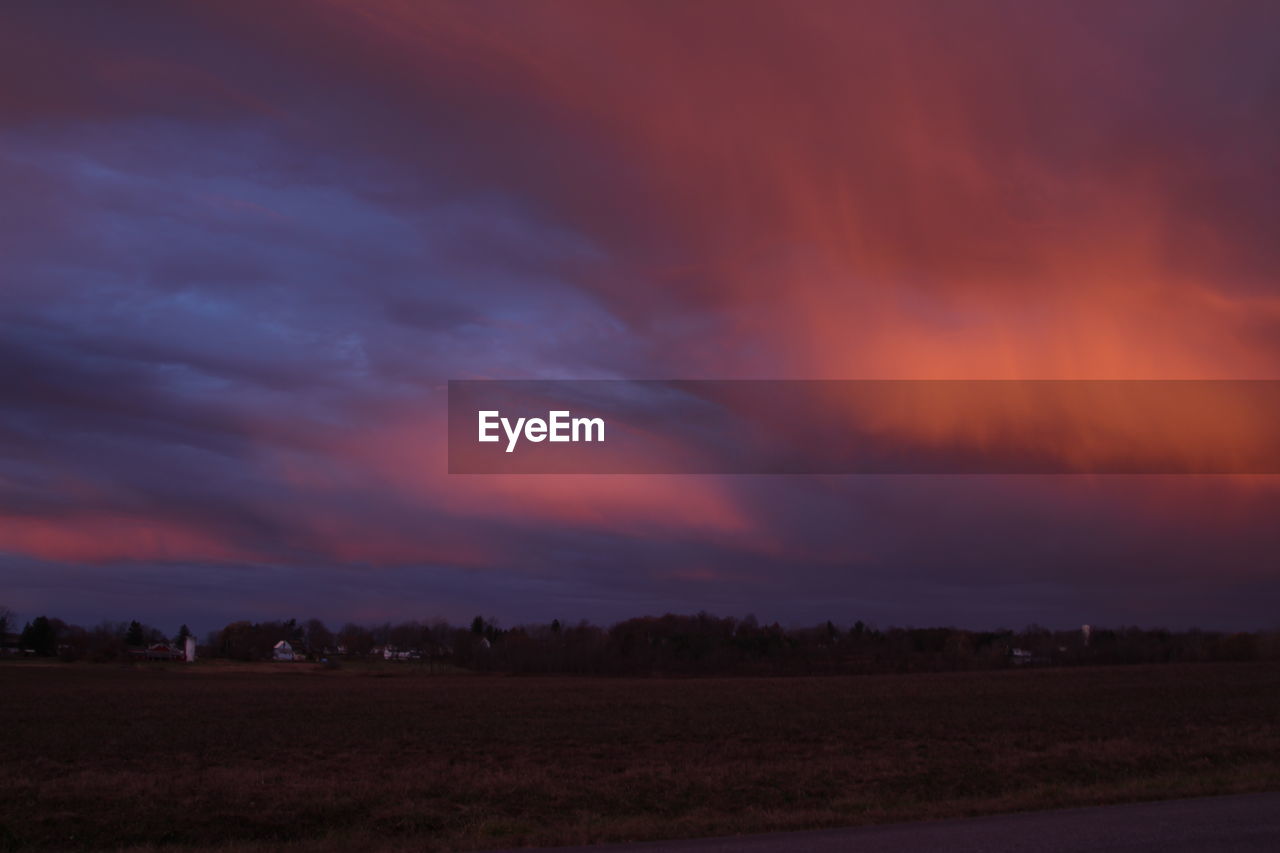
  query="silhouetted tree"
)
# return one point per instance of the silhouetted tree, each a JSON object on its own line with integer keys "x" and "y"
{"x": 357, "y": 640}
{"x": 39, "y": 636}
{"x": 134, "y": 636}
{"x": 317, "y": 636}
{"x": 410, "y": 637}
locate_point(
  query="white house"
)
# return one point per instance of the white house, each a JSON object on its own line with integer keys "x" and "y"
{"x": 283, "y": 651}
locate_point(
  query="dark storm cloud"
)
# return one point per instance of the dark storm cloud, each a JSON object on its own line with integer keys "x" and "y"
{"x": 244, "y": 246}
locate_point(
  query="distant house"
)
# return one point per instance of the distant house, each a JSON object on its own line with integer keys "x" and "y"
{"x": 158, "y": 651}
{"x": 283, "y": 651}
{"x": 1021, "y": 656}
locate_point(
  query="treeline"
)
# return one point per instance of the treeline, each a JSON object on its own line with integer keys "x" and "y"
{"x": 47, "y": 636}
{"x": 705, "y": 644}
{"x": 701, "y": 644}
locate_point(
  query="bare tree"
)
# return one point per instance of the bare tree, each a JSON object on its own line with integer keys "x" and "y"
{"x": 355, "y": 639}
{"x": 319, "y": 638}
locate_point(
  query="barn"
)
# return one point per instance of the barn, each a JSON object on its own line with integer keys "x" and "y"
{"x": 157, "y": 651}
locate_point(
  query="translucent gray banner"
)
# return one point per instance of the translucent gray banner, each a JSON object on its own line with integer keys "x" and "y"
{"x": 864, "y": 427}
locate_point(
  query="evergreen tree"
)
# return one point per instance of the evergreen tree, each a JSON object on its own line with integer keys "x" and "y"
{"x": 40, "y": 637}
{"x": 134, "y": 636}
{"x": 183, "y": 633}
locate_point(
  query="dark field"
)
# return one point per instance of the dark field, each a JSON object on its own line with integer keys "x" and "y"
{"x": 259, "y": 758}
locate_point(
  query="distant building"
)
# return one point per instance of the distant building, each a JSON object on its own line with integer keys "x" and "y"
{"x": 1021, "y": 656}
{"x": 157, "y": 651}
{"x": 283, "y": 651}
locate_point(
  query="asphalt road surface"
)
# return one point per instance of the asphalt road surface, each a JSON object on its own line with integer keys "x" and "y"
{"x": 1249, "y": 823}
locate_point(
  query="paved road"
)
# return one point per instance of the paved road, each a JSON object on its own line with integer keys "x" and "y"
{"x": 1249, "y": 823}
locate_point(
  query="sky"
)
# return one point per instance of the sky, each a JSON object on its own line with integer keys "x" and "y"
{"x": 244, "y": 246}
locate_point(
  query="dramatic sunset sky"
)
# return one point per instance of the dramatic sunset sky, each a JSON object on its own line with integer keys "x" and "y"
{"x": 243, "y": 246}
